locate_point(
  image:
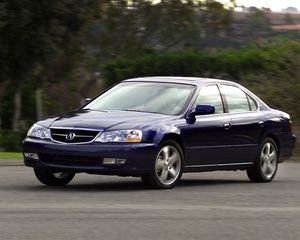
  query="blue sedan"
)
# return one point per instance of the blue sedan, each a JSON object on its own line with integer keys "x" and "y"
{"x": 157, "y": 128}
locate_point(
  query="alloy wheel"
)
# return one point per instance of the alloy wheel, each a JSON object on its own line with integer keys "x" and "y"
{"x": 268, "y": 158}
{"x": 168, "y": 165}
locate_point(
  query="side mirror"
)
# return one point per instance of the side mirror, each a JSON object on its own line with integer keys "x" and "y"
{"x": 84, "y": 101}
{"x": 204, "y": 109}
{"x": 199, "y": 110}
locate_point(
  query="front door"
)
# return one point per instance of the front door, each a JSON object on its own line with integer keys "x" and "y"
{"x": 209, "y": 136}
{"x": 210, "y": 140}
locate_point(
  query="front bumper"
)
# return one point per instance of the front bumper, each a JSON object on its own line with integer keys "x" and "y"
{"x": 140, "y": 157}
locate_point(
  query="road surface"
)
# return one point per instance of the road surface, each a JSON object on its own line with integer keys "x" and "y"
{"x": 217, "y": 205}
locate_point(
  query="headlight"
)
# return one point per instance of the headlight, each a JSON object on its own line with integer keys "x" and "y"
{"x": 120, "y": 136}
{"x": 38, "y": 132}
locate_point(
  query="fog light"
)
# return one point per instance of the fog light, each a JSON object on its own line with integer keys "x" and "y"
{"x": 112, "y": 161}
{"x": 31, "y": 155}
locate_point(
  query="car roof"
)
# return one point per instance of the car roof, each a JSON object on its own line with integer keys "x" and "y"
{"x": 176, "y": 79}
{"x": 196, "y": 81}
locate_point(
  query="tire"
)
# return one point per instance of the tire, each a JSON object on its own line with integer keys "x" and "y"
{"x": 53, "y": 178}
{"x": 265, "y": 166}
{"x": 167, "y": 169}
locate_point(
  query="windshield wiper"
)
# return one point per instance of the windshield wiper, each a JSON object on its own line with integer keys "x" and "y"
{"x": 90, "y": 109}
{"x": 136, "y": 110}
{"x": 131, "y": 110}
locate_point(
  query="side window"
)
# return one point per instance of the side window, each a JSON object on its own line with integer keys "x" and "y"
{"x": 237, "y": 100}
{"x": 252, "y": 103}
{"x": 211, "y": 95}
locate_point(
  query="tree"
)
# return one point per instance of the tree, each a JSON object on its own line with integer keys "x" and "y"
{"x": 32, "y": 32}
{"x": 258, "y": 24}
{"x": 131, "y": 28}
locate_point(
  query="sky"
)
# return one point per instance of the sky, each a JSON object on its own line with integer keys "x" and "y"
{"x": 275, "y": 5}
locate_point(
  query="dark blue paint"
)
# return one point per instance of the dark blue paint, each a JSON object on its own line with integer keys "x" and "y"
{"x": 204, "y": 109}
{"x": 208, "y": 139}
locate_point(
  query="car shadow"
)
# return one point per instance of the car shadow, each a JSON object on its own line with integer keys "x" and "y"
{"x": 120, "y": 186}
{"x": 131, "y": 185}
{"x": 209, "y": 182}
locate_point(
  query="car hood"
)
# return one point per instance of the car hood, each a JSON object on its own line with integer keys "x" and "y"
{"x": 111, "y": 120}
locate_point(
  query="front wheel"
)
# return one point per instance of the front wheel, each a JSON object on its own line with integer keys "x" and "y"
{"x": 265, "y": 167}
{"x": 53, "y": 178}
{"x": 168, "y": 166}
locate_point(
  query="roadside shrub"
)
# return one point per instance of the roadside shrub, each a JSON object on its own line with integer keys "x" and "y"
{"x": 11, "y": 141}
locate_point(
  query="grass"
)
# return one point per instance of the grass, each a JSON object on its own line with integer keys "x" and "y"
{"x": 11, "y": 155}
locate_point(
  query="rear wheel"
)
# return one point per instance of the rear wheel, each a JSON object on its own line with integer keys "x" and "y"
{"x": 168, "y": 166}
{"x": 53, "y": 178}
{"x": 265, "y": 167}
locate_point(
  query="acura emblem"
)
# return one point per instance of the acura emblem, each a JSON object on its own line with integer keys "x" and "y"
{"x": 70, "y": 136}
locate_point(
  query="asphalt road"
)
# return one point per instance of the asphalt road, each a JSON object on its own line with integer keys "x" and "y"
{"x": 219, "y": 205}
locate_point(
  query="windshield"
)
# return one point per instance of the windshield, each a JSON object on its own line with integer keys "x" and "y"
{"x": 163, "y": 98}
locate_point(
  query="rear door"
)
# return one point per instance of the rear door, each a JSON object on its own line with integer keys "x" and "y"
{"x": 247, "y": 123}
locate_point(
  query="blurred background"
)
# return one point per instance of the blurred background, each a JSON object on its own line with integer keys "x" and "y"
{"x": 53, "y": 53}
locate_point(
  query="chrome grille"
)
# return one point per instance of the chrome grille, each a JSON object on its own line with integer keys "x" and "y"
{"x": 73, "y": 135}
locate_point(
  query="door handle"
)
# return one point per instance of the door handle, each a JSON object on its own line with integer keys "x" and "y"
{"x": 227, "y": 126}
{"x": 261, "y": 123}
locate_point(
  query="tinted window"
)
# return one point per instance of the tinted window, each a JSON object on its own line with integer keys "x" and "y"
{"x": 236, "y": 99}
{"x": 211, "y": 95}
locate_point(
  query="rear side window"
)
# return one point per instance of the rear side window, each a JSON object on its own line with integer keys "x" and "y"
{"x": 237, "y": 100}
{"x": 211, "y": 95}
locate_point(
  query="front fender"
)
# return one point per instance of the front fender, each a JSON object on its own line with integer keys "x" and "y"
{"x": 164, "y": 132}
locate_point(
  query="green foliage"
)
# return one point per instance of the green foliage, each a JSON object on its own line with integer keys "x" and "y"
{"x": 11, "y": 155}
{"x": 272, "y": 71}
{"x": 130, "y": 28}
{"x": 33, "y": 31}
{"x": 11, "y": 141}
{"x": 259, "y": 24}
{"x": 39, "y": 40}
{"x": 7, "y": 110}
